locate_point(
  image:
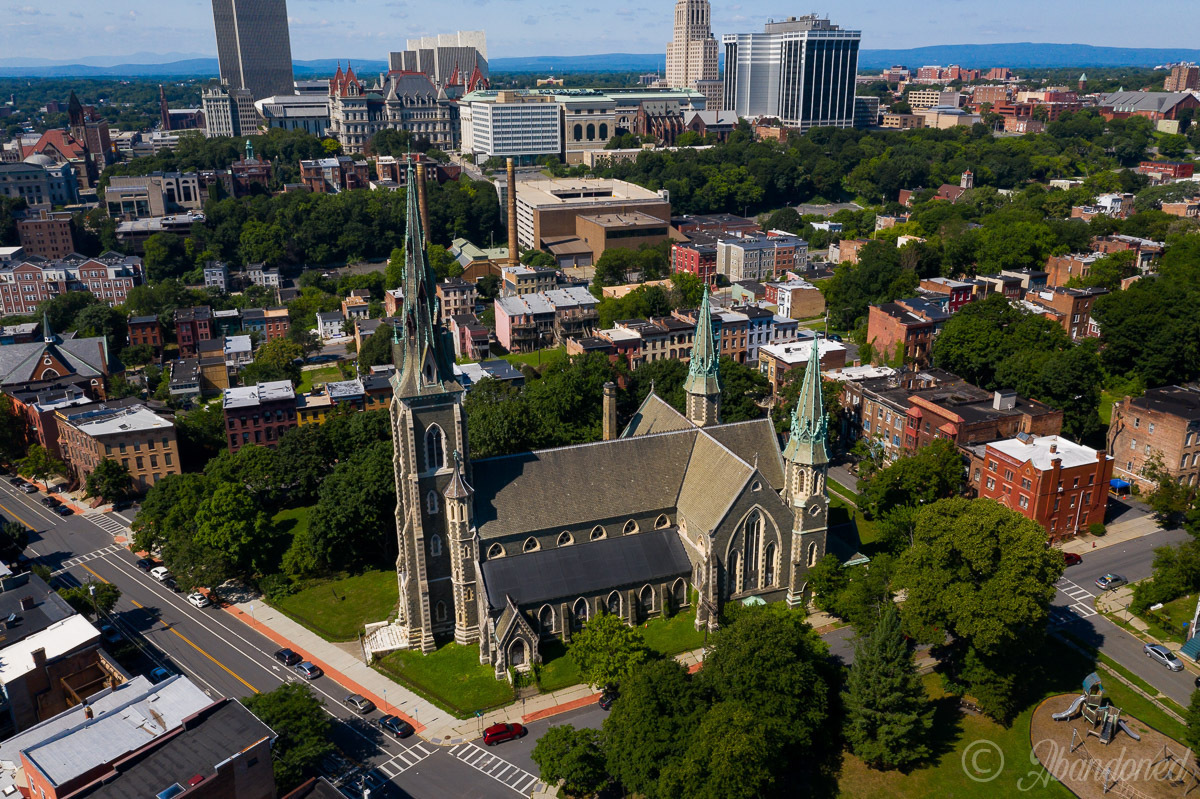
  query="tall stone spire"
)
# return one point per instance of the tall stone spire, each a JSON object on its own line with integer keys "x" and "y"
{"x": 422, "y": 356}
{"x": 810, "y": 427}
{"x": 703, "y": 383}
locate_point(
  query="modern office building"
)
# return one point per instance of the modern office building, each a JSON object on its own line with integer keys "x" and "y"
{"x": 692, "y": 53}
{"x": 514, "y": 125}
{"x": 800, "y": 70}
{"x": 306, "y": 112}
{"x": 254, "y": 49}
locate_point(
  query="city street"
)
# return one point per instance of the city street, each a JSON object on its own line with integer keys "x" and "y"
{"x": 226, "y": 658}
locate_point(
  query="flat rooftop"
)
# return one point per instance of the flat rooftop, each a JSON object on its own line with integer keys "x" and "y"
{"x": 126, "y": 420}
{"x": 635, "y": 219}
{"x": 581, "y": 192}
{"x": 61, "y": 637}
{"x": 251, "y": 396}
{"x": 1041, "y": 451}
{"x": 798, "y": 352}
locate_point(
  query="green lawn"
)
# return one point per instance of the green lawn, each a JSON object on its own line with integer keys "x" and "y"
{"x": 841, "y": 512}
{"x": 537, "y": 358}
{"x": 558, "y": 669}
{"x": 954, "y": 732}
{"x": 451, "y": 677}
{"x": 337, "y": 609}
{"x": 674, "y": 635}
{"x": 1166, "y": 624}
{"x": 1107, "y": 398}
{"x": 311, "y": 377}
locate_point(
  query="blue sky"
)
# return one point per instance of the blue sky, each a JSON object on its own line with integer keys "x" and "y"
{"x": 370, "y": 28}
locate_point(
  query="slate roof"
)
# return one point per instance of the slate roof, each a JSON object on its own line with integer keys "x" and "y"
{"x": 567, "y": 572}
{"x": 84, "y": 356}
{"x": 714, "y": 478}
{"x": 750, "y": 440}
{"x": 656, "y": 415}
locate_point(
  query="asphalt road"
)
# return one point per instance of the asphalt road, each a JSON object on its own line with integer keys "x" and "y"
{"x": 226, "y": 658}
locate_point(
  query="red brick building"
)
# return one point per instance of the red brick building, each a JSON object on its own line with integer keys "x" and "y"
{"x": 699, "y": 259}
{"x": 959, "y": 293}
{"x": 1061, "y": 268}
{"x": 1177, "y": 170}
{"x": 1163, "y": 423}
{"x": 109, "y": 277}
{"x": 905, "y": 325}
{"x": 146, "y": 330}
{"x": 1061, "y": 485}
{"x": 192, "y": 325}
{"x": 259, "y": 414}
{"x": 1071, "y": 308}
{"x": 48, "y": 235}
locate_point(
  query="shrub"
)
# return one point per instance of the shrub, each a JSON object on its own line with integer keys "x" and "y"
{"x": 1097, "y": 529}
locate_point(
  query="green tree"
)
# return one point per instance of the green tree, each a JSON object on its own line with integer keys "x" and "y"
{"x": 169, "y": 508}
{"x": 353, "y": 523}
{"x": 650, "y": 725}
{"x": 164, "y": 257}
{"x": 39, "y": 464}
{"x": 306, "y": 338}
{"x": 983, "y": 575}
{"x": 1192, "y": 718}
{"x": 201, "y": 435}
{"x": 275, "y": 360}
{"x": 100, "y": 320}
{"x": 497, "y": 419}
{"x": 260, "y": 242}
{"x": 302, "y": 727}
{"x": 1170, "y": 500}
{"x": 393, "y": 273}
{"x": 231, "y": 522}
{"x": 110, "y": 480}
{"x": 92, "y": 599}
{"x": 572, "y": 759}
{"x": 12, "y": 430}
{"x": 137, "y": 355}
{"x": 888, "y": 715}
{"x": 934, "y": 472}
{"x": 377, "y": 349}
{"x": 607, "y": 650}
{"x": 730, "y": 755}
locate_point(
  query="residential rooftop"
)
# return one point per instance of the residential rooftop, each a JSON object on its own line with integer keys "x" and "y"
{"x": 252, "y": 396}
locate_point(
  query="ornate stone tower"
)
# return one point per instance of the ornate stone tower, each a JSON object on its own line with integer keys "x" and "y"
{"x": 428, "y": 431}
{"x": 463, "y": 555}
{"x": 806, "y": 462}
{"x": 703, "y": 384}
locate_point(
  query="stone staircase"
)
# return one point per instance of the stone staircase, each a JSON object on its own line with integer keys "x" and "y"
{"x": 382, "y": 637}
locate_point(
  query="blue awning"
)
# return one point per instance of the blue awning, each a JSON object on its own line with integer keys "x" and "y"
{"x": 1118, "y": 483}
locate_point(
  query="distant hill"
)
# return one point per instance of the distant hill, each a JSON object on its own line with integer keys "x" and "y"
{"x": 1021, "y": 55}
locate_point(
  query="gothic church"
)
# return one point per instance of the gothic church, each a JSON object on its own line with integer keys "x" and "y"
{"x": 680, "y": 513}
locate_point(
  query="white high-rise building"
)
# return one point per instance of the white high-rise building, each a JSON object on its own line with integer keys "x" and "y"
{"x": 800, "y": 70}
{"x": 692, "y": 53}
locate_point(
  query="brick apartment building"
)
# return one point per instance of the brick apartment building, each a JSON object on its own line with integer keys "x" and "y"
{"x": 1164, "y": 423}
{"x": 122, "y": 431}
{"x": 905, "y": 326}
{"x": 457, "y": 296}
{"x": 26, "y": 285}
{"x": 49, "y": 234}
{"x": 908, "y": 410}
{"x": 956, "y": 292}
{"x": 697, "y": 257}
{"x": 259, "y": 414}
{"x": 1145, "y": 250}
{"x": 1163, "y": 170}
{"x": 334, "y": 175}
{"x": 269, "y": 323}
{"x": 146, "y": 330}
{"x": 1061, "y": 268}
{"x": 713, "y": 224}
{"x": 192, "y": 325}
{"x": 1061, "y": 485}
{"x": 1070, "y": 308}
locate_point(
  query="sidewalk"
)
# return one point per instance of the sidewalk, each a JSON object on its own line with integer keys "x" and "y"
{"x": 1129, "y": 528}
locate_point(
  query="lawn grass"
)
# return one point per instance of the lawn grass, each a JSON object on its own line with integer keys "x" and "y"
{"x": 537, "y": 358}
{"x": 842, "y": 512}
{"x": 558, "y": 670}
{"x": 1166, "y": 623}
{"x": 1133, "y": 703}
{"x": 954, "y": 732}
{"x": 338, "y": 609}
{"x": 1107, "y": 398}
{"x": 451, "y": 677}
{"x": 674, "y": 635}
{"x": 311, "y": 377}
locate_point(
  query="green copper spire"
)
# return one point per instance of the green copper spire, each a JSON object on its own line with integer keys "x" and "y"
{"x": 806, "y": 445}
{"x": 703, "y": 377}
{"x": 422, "y": 356}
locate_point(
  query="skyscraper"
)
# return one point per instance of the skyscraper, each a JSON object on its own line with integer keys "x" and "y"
{"x": 253, "y": 46}
{"x": 692, "y": 53}
{"x": 800, "y": 70}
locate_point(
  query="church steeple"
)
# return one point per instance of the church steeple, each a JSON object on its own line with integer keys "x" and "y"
{"x": 422, "y": 355}
{"x": 810, "y": 427}
{"x": 703, "y": 383}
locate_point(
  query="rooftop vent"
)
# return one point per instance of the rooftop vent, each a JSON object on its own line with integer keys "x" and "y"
{"x": 1004, "y": 400}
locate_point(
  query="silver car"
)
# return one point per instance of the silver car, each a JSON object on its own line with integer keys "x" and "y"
{"x": 1164, "y": 656}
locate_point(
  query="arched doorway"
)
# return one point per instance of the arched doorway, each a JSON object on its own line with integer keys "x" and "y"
{"x": 579, "y": 614}
{"x": 517, "y": 654}
{"x": 546, "y": 620}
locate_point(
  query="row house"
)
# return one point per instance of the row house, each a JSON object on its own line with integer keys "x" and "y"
{"x": 905, "y": 328}
{"x": 146, "y": 330}
{"x": 457, "y": 296}
{"x": 334, "y": 175}
{"x": 1007, "y": 285}
{"x": 1145, "y": 250}
{"x": 126, "y": 432}
{"x": 1186, "y": 209}
{"x": 532, "y": 321}
{"x": 371, "y": 392}
{"x": 1070, "y": 308}
{"x": 1061, "y": 485}
{"x": 795, "y": 298}
{"x": 957, "y": 293}
{"x": 258, "y": 414}
{"x": 471, "y": 339}
{"x": 757, "y": 256}
{"x": 1165, "y": 171}
{"x": 1062, "y": 268}
{"x": 269, "y": 323}
{"x": 777, "y": 361}
{"x": 730, "y": 327}
{"x": 26, "y": 285}
{"x": 357, "y": 305}
{"x": 1164, "y": 423}
{"x": 1117, "y": 206}
{"x": 696, "y": 257}
{"x": 192, "y": 326}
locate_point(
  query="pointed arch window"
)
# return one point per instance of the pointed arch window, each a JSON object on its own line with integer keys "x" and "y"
{"x": 663, "y": 521}
{"x": 565, "y": 539}
{"x": 769, "y": 566}
{"x": 614, "y": 603}
{"x": 439, "y": 611}
{"x": 435, "y": 448}
{"x": 630, "y": 527}
{"x": 579, "y": 613}
{"x": 435, "y": 546}
{"x": 812, "y": 555}
{"x": 530, "y": 545}
{"x": 431, "y": 503}
{"x": 546, "y": 620}
{"x": 495, "y": 551}
{"x": 598, "y": 533}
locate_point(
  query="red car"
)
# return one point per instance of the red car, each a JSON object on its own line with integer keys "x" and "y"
{"x": 499, "y": 733}
{"x": 1072, "y": 559}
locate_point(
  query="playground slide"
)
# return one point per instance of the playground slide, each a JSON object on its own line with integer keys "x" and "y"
{"x": 1070, "y": 712}
{"x": 1107, "y": 730}
{"x": 1125, "y": 728}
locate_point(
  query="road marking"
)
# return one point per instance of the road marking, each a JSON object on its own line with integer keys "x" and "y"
{"x": 81, "y": 559}
{"x": 108, "y": 525}
{"x": 17, "y": 517}
{"x": 1079, "y": 597}
{"x": 495, "y": 767}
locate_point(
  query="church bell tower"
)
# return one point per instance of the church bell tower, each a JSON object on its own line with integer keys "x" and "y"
{"x": 703, "y": 383}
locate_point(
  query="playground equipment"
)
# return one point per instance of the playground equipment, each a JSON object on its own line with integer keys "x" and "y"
{"x": 1097, "y": 711}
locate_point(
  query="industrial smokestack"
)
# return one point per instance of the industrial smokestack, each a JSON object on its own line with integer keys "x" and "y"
{"x": 422, "y": 200}
{"x": 610, "y": 411}
{"x": 514, "y": 252}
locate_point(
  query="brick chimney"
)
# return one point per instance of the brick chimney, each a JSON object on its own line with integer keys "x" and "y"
{"x": 39, "y": 658}
{"x": 610, "y": 411}
{"x": 514, "y": 251}
{"x": 1053, "y": 448}
{"x": 28, "y": 603}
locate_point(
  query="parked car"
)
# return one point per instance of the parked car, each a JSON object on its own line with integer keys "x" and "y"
{"x": 160, "y": 573}
{"x": 198, "y": 600}
{"x": 16, "y": 481}
{"x": 170, "y": 583}
{"x": 110, "y": 634}
{"x": 28, "y": 488}
{"x": 50, "y": 502}
{"x": 63, "y": 510}
{"x": 606, "y": 699}
{"x": 287, "y": 657}
{"x": 159, "y": 674}
{"x": 396, "y": 726}
{"x": 1110, "y": 581}
{"x": 309, "y": 671}
{"x": 1071, "y": 559}
{"x": 145, "y": 564}
{"x": 359, "y": 704}
{"x": 1161, "y": 654}
{"x": 499, "y": 733}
